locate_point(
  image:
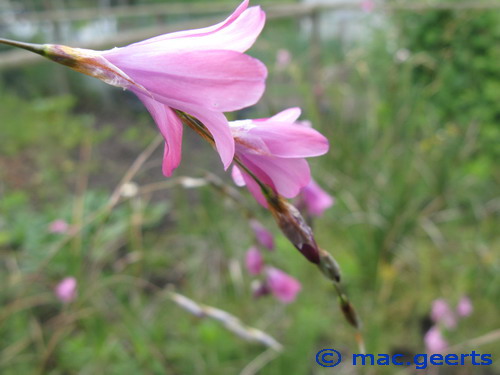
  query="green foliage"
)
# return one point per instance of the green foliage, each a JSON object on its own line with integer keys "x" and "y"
{"x": 462, "y": 74}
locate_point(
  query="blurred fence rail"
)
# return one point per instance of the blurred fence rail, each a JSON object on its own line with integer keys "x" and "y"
{"x": 273, "y": 10}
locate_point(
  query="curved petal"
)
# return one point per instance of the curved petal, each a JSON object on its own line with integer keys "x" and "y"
{"x": 291, "y": 141}
{"x": 289, "y": 176}
{"x": 237, "y": 176}
{"x": 238, "y": 32}
{"x": 255, "y": 190}
{"x": 217, "y": 80}
{"x": 289, "y": 115}
{"x": 216, "y": 123}
{"x": 170, "y": 127}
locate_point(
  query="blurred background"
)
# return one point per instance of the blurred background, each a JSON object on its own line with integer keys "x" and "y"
{"x": 408, "y": 95}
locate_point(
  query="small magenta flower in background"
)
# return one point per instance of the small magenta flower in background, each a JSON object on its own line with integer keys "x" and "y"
{"x": 283, "y": 286}
{"x": 442, "y": 313}
{"x": 254, "y": 261}
{"x": 264, "y": 236}
{"x": 59, "y": 226}
{"x": 66, "y": 289}
{"x": 464, "y": 307}
{"x": 434, "y": 340}
{"x": 274, "y": 150}
{"x": 315, "y": 199}
{"x": 202, "y": 72}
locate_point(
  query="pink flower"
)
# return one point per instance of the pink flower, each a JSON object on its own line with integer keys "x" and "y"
{"x": 434, "y": 340}
{"x": 368, "y": 6}
{"x": 58, "y": 226}
{"x": 315, "y": 199}
{"x": 264, "y": 237}
{"x": 283, "y": 286}
{"x": 464, "y": 307}
{"x": 66, "y": 289}
{"x": 442, "y": 313}
{"x": 202, "y": 72}
{"x": 254, "y": 261}
{"x": 274, "y": 150}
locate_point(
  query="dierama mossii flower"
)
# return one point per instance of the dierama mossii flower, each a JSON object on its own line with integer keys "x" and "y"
{"x": 254, "y": 261}
{"x": 264, "y": 236}
{"x": 274, "y": 150}
{"x": 58, "y": 226}
{"x": 464, "y": 307}
{"x": 283, "y": 286}
{"x": 66, "y": 289}
{"x": 434, "y": 340}
{"x": 202, "y": 72}
{"x": 442, "y": 313}
{"x": 315, "y": 199}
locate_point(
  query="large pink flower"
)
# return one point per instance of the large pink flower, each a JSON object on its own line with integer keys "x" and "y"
{"x": 274, "y": 150}
{"x": 202, "y": 72}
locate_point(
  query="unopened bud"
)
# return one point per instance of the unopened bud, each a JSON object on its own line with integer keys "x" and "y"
{"x": 329, "y": 266}
{"x": 349, "y": 312}
{"x": 295, "y": 228}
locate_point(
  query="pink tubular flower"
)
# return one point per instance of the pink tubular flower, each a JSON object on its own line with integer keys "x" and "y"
{"x": 283, "y": 286}
{"x": 434, "y": 340}
{"x": 264, "y": 237}
{"x": 464, "y": 307}
{"x": 254, "y": 261}
{"x": 58, "y": 226}
{"x": 442, "y": 313}
{"x": 202, "y": 72}
{"x": 274, "y": 150}
{"x": 315, "y": 199}
{"x": 66, "y": 289}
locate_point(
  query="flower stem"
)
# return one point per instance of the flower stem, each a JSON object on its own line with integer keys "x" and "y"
{"x": 36, "y": 48}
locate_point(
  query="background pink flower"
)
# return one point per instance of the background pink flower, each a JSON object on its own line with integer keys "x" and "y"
{"x": 464, "y": 307}
{"x": 274, "y": 150}
{"x": 283, "y": 286}
{"x": 58, "y": 226}
{"x": 434, "y": 340}
{"x": 442, "y": 313}
{"x": 66, "y": 289}
{"x": 253, "y": 261}
{"x": 264, "y": 237}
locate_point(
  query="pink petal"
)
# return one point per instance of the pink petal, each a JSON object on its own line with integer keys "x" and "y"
{"x": 264, "y": 237}
{"x": 289, "y": 176}
{"x": 216, "y": 123}
{"x": 283, "y": 286}
{"x": 237, "y": 176}
{"x": 289, "y": 115}
{"x": 255, "y": 190}
{"x": 215, "y": 80}
{"x": 254, "y": 261}
{"x": 316, "y": 199}
{"x": 170, "y": 127}
{"x": 238, "y": 32}
{"x": 291, "y": 141}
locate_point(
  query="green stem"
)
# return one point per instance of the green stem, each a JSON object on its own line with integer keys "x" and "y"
{"x": 36, "y": 48}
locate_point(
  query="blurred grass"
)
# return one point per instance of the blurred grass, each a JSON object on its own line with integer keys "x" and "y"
{"x": 415, "y": 220}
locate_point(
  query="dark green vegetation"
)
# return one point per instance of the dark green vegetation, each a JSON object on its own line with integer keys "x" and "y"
{"x": 413, "y": 166}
